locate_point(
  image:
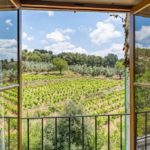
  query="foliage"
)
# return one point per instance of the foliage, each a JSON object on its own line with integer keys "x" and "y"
{"x": 48, "y": 95}
{"x": 53, "y": 91}
{"x": 92, "y": 71}
{"x": 119, "y": 68}
{"x": 60, "y": 64}
{"x": 110, "y": 60}
{"x": 71, "y": 109}
{"x": 36, "y": 67}
{"x": 142, "y": 93}
{"x": 8, "y": 72}
{"x": 71, "y": 58}
{"x": 142, "y": 65}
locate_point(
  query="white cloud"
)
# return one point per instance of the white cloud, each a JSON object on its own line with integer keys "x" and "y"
{"x": 24, "y": 46}
{"x": 65, "y": 47}
{"x": 44, "y": 42}
{"x": 68, "y": 30}
{"x": 30, "y": 38}
{"x": 8, "y": 49}
{"x": 57, "y": 36}
{"x": 69, "y": 47}
{"x": 26, "y": 37}
{"x": 143, "y": 33}
{"x": 84, "y": 29}
{"x": 114, "y": 49}
{"x": 103, "y": 33}
{"x": 9, "y": 22}
{"x": 139, "y": 45}
{"x": 50, "y": 13}
{"x": 8, "y": 43}
{"x": 31, "y": 28}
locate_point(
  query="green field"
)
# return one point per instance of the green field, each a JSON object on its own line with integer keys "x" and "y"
{"x": 46, "y": 95}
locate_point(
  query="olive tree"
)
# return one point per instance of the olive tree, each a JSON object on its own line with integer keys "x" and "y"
{"x": 60, "y": 64}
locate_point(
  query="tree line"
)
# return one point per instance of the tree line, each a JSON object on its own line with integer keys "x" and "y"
{"x": 72, "y": 58}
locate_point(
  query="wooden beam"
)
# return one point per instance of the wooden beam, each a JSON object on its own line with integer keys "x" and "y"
{"x": 16, "y": 3}
{"x": 142, "y": 85}
{"x": 6, "y": 7}
{"x": 46, "y": 5}
{"x": 132, "y": 88}
{"x": 144, "y": 4}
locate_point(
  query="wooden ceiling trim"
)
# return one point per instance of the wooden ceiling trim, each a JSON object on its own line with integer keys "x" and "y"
{"x": 7, "y": 7}
{"x": 16, "y": 3}
{"x": 46, "y": 5}
{"x": 144, "y": 4}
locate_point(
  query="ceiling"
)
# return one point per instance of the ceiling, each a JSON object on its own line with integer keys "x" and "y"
{"x": 85, "y": 5}
{"x": 5, "y": 2}
{"x": 145, "y": 12}
{"x": 115, "y": 2}
{"x": 95, "y": 5}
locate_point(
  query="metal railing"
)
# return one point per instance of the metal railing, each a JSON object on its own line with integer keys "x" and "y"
{"x": 95, "y": 121}
{"x": 143, "y": 130}
{"x": 83, "y": 118}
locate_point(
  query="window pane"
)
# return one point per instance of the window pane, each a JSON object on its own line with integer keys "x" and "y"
{"x": 142, "y": 99}
{"x": 142, "y": 51}
{"x": 142, "y": 103}
{"x": 8, "y": 48}
{"x": 8, "y": 118}
{"x": 142, "y": 75}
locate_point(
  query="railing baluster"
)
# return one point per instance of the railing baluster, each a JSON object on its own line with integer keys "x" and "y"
{"x": 69, "y": 133}
{"x": 95, "y": 132}
{"x": 146, "y": 131}
{"x": 56, "y": 133}
{"x": 42, "y": 122}
{"x": 28, "y": 134}
{"x": 8, "y": 133}
{"x": 136, "y": 122}
{"x": 82, "y": 133}
{"x": 121, "y": 132}
{"x": 108, "y": 132}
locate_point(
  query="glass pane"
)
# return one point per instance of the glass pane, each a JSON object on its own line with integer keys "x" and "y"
{"x": 142, "y": 105}
{"x": 8, "y": 48}
{"x": 8, "y": 119}
{"x": 142, "y": 75}
{"x": 142, "y": 99}
{"x": 142, "y": 51}
{"x": 8, "y": 76}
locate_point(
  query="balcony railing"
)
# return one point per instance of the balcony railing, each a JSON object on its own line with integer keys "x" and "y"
{"x": 143, "y": 130}
{"x": 97, "y": 123}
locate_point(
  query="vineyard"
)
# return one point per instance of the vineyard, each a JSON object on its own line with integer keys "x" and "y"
{"x": 48, "y": 95}
{"x": 45, "y": 95}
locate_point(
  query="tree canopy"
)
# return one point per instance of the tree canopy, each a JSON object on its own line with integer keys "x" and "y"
{"x": 71, "y": 58}
{"x": 119, "y": 68}
{"x": 60, "y": 64}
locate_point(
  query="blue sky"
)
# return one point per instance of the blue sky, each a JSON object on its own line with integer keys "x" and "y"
{"x": 59, "y": 31}
{"x": 8, "y": 35}
{"x": 83, "y": 32}
{"x": 142, "y": 32}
